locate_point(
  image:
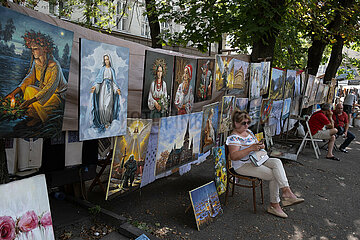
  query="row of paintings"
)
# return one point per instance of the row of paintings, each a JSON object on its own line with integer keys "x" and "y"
{"x": 316, "y": 92}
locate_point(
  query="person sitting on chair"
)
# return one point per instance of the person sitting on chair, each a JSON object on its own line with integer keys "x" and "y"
{"x": 341, "y": 123}
{"x": 241, "y": 143}
{"x": 317, "y": 122}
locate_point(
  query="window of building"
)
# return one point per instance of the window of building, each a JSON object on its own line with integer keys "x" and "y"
{"x": 121, "y": 16}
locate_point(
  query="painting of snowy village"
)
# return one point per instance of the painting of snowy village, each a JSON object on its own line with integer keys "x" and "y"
{"x": 206, "y": 204}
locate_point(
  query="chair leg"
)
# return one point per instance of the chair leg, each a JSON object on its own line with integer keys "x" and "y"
{"x": 262, "y": 192}
{"x": 227, "y": 190}
{"x": 233, "y": 187}
{"x": 254, "y": 196}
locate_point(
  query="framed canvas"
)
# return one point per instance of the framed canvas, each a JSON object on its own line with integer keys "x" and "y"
{"x": 227, "y": 109}
{"x": 289, "y": 84}
{"x": 286, "y": 109}
{"x": 325, "y": 93}
{"x": 313, "y": 92}
{"x": 254, "y": 110}
{"x": 255, "y": 80}
{"x": 34, "y": 70}
{"x": 184, "y": 85}
{"x": 25, "y": 210}
{"x": 266, "y": 106}
{"x": 265, "y": 77}
{"x": 275, "y": 117}
{"x": 104, "y": 74}
{"x": 241, "y": 76}
{"x": 204, "y": 79}
{"x": 220, "y": 169}
{"x": 277, "y": 84}
{"x": 297, "y": 85}
{"x": 206, "y": 204}
{"x": 209, "y": 126}
{"x": 128, "y": 159}
{"x": 306, "y": 96}
{"x": 241, "y": 104}
{"x": 157, "y": 85}
{"x": 224, "y": 71}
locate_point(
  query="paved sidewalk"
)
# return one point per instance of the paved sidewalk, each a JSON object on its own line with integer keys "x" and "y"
{"x": 331, "y": 209}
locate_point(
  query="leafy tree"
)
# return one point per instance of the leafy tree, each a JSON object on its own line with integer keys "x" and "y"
{"x": 66, "y": 56}
{"x": 9, "y": 30}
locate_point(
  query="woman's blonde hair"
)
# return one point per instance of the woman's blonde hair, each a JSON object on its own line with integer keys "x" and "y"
{"x": 239, "y": 116}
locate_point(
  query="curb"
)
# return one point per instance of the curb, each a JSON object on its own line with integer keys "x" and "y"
{"x": 119, "y": 222}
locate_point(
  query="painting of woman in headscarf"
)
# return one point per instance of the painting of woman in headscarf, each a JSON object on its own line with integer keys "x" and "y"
{"x": 103, "y": 90}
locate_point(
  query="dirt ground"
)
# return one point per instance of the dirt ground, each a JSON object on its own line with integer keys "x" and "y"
{"x": 330, "y": 211}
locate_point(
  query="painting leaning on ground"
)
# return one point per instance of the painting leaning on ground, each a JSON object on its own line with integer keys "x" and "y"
{"x": 34, "y": 69}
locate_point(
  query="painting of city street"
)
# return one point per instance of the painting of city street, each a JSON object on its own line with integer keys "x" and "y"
{"x": 277, "y": 84}
{"x": 206, "y": 204}
{"x": 104, "y": 74}
{"x": 209, "y": 126}
{"x": 34, "y": 69}
{"x": 129, "y": 157}
{"x": 254, "y": 110}
{"x": 220, "y": 169}
{"x": 179, "y": 141}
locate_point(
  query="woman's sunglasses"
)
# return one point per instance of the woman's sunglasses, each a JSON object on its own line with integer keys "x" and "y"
{"x": 245, "y": 123}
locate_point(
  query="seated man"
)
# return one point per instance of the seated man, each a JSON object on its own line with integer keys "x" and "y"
{"x": 341, "y": 123}
{"x": 317, "y": 122}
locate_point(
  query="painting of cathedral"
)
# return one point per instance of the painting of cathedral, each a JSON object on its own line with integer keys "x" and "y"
{"x": 129, "y": 157}
{"x": 206, "y": 204}
{"x": 104, "y": 74}
{"x": 204, "y": 79}
{"x": 224, "y": 72}
{"x": 158, "y": 79}
{"x": 179, "y": 141}
{"x": 209, "y": 126}
{"x": 241, "y": 72}
{"x": 277, "y": 83}
{"x": 32, "y": 103}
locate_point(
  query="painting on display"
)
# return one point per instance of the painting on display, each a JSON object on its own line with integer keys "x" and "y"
{"x": 241, "y": 104}
{"x": 224, "y": 71}
{"x": 319, "y": 93}
{"x": 303, "y": 81}
{"x": 286, "y": 108}
{"x": 309, "y": 85}
{"x": 289, "y": 83}
{"x": 34, "y": 71}
{"x": 103, "y": 90}
{"x": 206, "y": 204}
{"x": 313, "y": 91}
{"x": 204, "y": 79}
{"x": 25, "y": 210}
{"x": 325, "y": 93}
{"x": 297, "y": 84}
{"x": 265, "y": 76}
{"x": 220, "y": 169}
{"x": 179, "y": 141}
{"x": 227, "y": 109}
{"x": 158, "y": 79}
{"x": 184, "y": 85}
{"x": 241, "y": 77}
{"x": 209, "y": 126}
{"x": 255, "y": 80}
{"x": 266, "y": 106}
{"x": 275, "y": 117}
{"x": 254, "y": 110}
{"x": 276, "y": 83}
{"x": 129, "y": 157}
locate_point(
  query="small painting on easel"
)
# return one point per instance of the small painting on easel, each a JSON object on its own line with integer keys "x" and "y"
{"x": 206, "y": 204}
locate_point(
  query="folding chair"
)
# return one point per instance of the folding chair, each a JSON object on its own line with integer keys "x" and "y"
{"x": 308, "y": 137}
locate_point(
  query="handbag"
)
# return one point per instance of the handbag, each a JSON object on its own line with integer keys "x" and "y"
{"x": 258, "y": 157}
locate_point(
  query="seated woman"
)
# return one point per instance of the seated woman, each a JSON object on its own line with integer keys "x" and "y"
{"x": 241, "y": 143}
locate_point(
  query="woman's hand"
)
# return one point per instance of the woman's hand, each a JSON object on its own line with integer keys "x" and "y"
{"x": 255, "y": 147}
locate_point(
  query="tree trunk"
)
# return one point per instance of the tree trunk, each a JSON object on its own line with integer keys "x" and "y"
{"x": 315, "y": 53}
{"x": 153, "y": 23}
{"x": 4, "y": 174}
{"x": 335, "y": 60}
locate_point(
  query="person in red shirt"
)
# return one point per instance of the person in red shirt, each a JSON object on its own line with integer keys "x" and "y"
{"x": 317, "y": 122}
{"x": 341, "y": 123}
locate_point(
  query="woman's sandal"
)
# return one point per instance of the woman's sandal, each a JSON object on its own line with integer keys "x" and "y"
{"x": 291, "y": 201}
{"x": 333, "y": 158}
{"x": 273, "y": 211}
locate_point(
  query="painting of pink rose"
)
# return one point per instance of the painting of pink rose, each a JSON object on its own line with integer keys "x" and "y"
{"x": 46, "y": 220}
{"x": 28, "y": 221}
{"x": 7, "y": 228}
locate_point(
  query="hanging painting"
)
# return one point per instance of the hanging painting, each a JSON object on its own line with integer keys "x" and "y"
{"x": 103, "y": 90}
{"x": 241, "y": 77}
{"x": 286, "y": 109}
{"x": 319, "y": 93}
{"x": 266, "y": 106}
{"x": 277, "y": 83}
{"x": 184, "y": 85}
{"x": 325, "y": 93}
{"x": 178, "y": 144}
{"x": 255, "y": 80}
{"x": 241, "y": 104}
{"x": 158, "y": 78}
{"x": 309, "y": 85}
{"x": 289, "y": 83}
{"x": 209, "y": 126}
{"x": 220, "y": 169}
{"x": 25, "y": 210}
{"x": 227, "y": 109}
{"x": 275, "y": 117}
{"x": 224, "y": 71}
{"x": 313, "y": 91}
{"x": 129, "y": 157}
{"x": 254, "y": 110}
{"x": 34, "y": 70}
{"x": 206, "y": 204}
{"x": 204, "y": 79}
{"x": 297, "y": 85}
{"x": 265, "y": 76}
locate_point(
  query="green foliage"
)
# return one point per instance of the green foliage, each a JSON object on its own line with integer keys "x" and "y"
{"x": 95, "y": 210}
